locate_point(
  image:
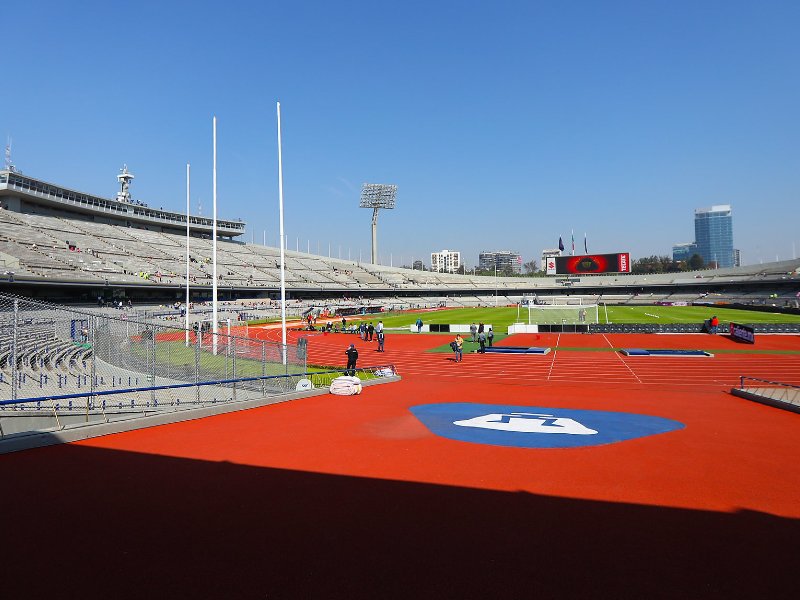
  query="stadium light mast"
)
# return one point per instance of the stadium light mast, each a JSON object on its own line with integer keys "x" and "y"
{"x": 214, "y": 307}
{"x": 377, "y": 196}
{"x": 283, "y": 239}
{"x": 187, "y": 253}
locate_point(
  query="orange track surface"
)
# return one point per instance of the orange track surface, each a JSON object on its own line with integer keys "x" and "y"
{"x": 352, "y": 497}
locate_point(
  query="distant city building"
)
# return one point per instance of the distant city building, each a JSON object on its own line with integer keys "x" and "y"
{"x": 447, "y": 261}
{"x": 737, "y": 258}
{"x": 683, "y": 252}
{"x": 503, "y": 260}
{"x": 713, "y": 234}
{"x": 548, "y": 253}
{"x": 418, "y": 266}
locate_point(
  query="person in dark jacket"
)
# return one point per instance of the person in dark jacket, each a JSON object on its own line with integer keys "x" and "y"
{"x": 352, "y": 357}
{"x": 370, "y": 331}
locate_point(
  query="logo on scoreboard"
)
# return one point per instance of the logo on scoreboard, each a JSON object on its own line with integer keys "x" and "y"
{"x": 537, "y": 427}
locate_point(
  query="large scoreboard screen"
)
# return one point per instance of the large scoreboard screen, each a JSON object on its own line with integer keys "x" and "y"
{"x": 590, "y": 263}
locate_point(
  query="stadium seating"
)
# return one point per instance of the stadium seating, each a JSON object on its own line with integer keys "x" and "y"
{"x": 59, "y": 249}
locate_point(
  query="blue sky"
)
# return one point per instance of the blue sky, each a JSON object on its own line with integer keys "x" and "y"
{"x": 503, "y": 124}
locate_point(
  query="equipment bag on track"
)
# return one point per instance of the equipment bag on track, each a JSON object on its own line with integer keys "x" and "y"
{"x": 346, "y": 386}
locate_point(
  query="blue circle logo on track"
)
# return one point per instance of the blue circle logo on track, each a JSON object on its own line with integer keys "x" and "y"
{"x": 536, "y": 426}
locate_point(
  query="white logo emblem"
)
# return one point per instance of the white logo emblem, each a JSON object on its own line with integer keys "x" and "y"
{"x": 527, "y": 423}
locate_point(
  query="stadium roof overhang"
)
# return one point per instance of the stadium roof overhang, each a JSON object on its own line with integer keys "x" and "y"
{"x": 40, "y": 192}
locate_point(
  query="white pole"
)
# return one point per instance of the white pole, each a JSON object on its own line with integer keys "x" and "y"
{"x": 297, "y": 244}
{"x": 214, "y": 307}
{"x": 187, "y": 254}
{"x": 280, "y": 213}
{"x": 308, "y": 247}
{"x": 265, "y": 238}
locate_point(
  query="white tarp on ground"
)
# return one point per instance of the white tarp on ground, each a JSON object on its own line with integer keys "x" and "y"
{"x": 346, "y": 386}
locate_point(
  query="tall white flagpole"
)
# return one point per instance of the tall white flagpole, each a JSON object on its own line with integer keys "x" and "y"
{"x": 215, "y": 325}
{"x": 187, "y": 253}
{"x": 283, "y": 239}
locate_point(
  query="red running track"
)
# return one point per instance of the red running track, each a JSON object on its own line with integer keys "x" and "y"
{"x": 352, "y": 497}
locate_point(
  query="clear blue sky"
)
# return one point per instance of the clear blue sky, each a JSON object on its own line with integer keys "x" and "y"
{"x": 504, "y": 124}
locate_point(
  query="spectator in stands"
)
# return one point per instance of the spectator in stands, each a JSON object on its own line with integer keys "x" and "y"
{"x": 419, "y": 325}
{"x": 490, "y": 337}
{"x": 352, "y": 357}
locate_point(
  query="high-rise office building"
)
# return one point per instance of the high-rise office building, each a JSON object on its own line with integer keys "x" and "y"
{"x": 713, "y": 234}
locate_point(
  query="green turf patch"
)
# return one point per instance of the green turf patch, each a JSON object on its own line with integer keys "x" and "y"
{"x": 502, "y": 317}
{"x": 467, "y": 342}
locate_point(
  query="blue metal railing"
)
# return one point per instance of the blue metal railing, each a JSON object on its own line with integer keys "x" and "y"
{"x": 184, "y": 385}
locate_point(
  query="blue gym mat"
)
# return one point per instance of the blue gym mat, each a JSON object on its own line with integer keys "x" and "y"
{"x": 516, "y": 350}
{"x": 665, "y": 352}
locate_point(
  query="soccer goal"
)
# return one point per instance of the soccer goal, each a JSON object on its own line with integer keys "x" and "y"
{"x": 563, "y": 314}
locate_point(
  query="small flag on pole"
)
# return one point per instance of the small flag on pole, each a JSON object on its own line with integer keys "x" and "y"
{"x": 560, "y": 244}
{"x": 585, "y": 247}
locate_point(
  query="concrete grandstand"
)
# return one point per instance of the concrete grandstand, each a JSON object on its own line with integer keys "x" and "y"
{"x": 64, "y": 245}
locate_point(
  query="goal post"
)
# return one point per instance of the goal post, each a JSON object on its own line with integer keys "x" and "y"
{"x": 560, "y": 314}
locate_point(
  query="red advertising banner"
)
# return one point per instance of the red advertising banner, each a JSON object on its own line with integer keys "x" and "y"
{"x": 589, "y": 263}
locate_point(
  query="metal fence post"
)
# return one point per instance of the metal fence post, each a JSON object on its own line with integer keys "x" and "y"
{"x": 198, "y": 338}
{"x": 14, "y": 351}
{"x": 264, "y": 367}
{"x": 92, "y": 326}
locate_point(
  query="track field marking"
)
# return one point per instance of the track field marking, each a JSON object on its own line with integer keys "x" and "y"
{"x": 620, "y": 358}
{"x": 553, "y": 362}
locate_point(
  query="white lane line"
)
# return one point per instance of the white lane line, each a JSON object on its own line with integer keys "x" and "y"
{"x": 621, "y": 360}
{"x": 553, "y": 362}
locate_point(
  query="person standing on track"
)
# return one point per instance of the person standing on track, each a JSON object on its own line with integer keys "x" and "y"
{"x": 459, "y": 348}
{"x": 380, "y": 335}
{"x": 490, "y": 336}
{"x": 370, "y": 331}
{"x": 473, "y": 329}
{"x": 352, "y": 357}
{"x": 482, "y": 342}
{"x": 419, "y": 324}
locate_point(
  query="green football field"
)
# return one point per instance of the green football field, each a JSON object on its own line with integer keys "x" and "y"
{"x": 502, "y": 317}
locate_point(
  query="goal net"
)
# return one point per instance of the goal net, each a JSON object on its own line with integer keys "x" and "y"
{"x": 561, "y": 314}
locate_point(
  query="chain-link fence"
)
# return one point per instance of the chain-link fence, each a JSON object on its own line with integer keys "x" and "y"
{"x": 111, "y": 363}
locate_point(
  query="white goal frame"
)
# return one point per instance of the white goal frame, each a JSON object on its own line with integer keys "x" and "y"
{"x": 563, "y": 314}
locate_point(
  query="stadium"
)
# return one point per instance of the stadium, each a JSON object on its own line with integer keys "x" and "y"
{"x": 605, "y": 440}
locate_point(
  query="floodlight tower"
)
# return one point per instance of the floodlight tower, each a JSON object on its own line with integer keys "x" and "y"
{"x": 377, "y": 196}
{"x": 124, "y": 178}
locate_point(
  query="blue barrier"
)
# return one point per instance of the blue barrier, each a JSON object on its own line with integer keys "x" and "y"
{"x": 175, "y": 386}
